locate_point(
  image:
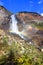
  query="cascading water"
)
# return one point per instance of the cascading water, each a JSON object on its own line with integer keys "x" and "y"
{"x": 13, "y": 25}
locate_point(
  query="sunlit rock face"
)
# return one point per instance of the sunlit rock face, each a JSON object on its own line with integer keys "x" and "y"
{"x": 29, "y": 17}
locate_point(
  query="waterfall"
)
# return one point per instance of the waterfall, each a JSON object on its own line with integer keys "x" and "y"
{"x": 13, "y": 25}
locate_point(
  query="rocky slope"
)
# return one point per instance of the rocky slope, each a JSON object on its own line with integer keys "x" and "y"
{"x": 4, "y": 18}
{"x": 14, "y": 49}
{"x": 4, "y": 15}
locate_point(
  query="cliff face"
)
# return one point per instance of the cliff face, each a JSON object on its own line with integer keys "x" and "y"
{"x": 4, "y": 18}
{"x": 4, "y": 15}
{"x": 30, "y": 17}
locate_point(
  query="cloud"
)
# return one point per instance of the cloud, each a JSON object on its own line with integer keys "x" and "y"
{"x": 40, "y": 2}
{"x": 41, "y": 14}
{"x": 1, "y": 3}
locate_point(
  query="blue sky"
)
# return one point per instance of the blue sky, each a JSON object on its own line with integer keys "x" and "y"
{"x": 23, "y": 5}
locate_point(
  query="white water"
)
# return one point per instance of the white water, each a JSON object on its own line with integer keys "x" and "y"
{"x": 13, "y": 25}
